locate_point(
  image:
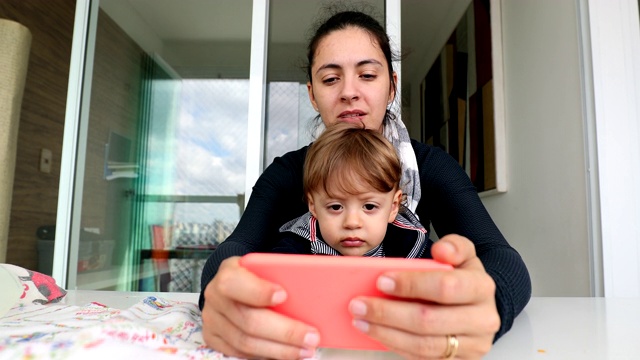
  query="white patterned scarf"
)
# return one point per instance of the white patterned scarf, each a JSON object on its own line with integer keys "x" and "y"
{"x": 397, "y": 134}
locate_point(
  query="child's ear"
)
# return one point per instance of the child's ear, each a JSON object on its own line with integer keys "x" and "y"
{"x": 395, "y": 206}
{"x": 312, "y": 206}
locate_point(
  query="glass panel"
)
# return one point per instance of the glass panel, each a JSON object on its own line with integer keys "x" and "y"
{"x": 166, "y": 151}
{"x": 289, "y": 111}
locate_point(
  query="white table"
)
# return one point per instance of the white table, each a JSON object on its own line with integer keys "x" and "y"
{"x": 121, "y": 299}
{"x": 548, "y": 328}
{"x": 573, "y": 328}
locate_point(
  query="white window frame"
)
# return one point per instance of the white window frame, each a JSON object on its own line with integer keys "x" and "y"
{"x": 72, "y": 161}
{"x": 611, "y": 43}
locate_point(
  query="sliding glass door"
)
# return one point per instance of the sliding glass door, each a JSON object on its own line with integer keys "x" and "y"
{"x": 161, "y": 176}
{"x": 159, "y": 152}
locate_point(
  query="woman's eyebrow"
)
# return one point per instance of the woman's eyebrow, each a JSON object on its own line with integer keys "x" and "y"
{"x": 360, "y": 63}
{"x": 369, "y": 62}
{"x": 328, "y": 66}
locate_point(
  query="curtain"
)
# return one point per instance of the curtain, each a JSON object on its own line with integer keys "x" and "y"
{"x": 160, "y": 94}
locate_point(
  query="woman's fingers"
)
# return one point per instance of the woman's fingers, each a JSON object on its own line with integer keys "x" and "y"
{"x": 419, "y": 330}
{"x": 240, "y": 343}
{"x": 269, "y": 333}
{"x": 412, "y": 346}
{"x": 467, "y": 283}
{"x": 236, "y": 283}
{"x": 237, "y": 322}
{"x": 453, "y": 249}
{"x": 459, "y": 302}
{"x": 460, "y": 286}
{"x": 425, "y": 318}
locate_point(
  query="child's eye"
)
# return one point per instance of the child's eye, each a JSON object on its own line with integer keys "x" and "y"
{"x": 370, "y": 207}
{"x": 335, "y": 207}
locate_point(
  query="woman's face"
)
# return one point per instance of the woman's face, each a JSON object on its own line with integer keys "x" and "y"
{"x": 350, "y": 79}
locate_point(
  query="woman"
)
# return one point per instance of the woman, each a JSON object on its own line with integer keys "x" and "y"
{"x": 457, "y": 314}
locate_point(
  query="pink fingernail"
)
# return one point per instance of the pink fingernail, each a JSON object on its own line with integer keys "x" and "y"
{"x": 361, "y": 325}
{"x": 449, "y": 246}
{"x": 357, "y": 308}
{"x": 307, "y": 353}
{"x": 279, "y": 297}
{"x": 311, "y": 339}
{"x": 386, "y": 284}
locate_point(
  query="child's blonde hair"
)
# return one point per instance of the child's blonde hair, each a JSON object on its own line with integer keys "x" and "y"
{"x": 347, "y": 158}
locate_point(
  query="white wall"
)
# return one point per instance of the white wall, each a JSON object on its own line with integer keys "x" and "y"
{"x": 544, "y": 212}
{"x": 131, "y": 22}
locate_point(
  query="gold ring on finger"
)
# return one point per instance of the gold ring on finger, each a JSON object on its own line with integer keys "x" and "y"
{"x": 452, "y": 347}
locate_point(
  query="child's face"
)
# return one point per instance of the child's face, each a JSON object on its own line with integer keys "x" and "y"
{"x": 354, "y": 224}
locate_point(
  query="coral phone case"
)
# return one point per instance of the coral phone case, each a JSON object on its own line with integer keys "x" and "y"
{"x": 319, "y": 289}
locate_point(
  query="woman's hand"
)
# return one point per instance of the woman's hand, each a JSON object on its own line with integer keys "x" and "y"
{"x": 237, "y": 322}
{"x": 459, "y": 302}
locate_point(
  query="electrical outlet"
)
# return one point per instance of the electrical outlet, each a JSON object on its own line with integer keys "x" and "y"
{"x": 45, "y": 161}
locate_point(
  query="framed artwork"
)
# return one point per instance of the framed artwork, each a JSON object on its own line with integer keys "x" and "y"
{"x": 462, "y": 98}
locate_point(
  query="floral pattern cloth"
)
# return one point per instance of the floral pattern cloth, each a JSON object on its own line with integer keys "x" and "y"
{"x": 37, "y": 288}
{"x": 154, "y": 328}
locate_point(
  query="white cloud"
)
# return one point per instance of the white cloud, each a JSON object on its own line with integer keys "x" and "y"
{"x": 204, "y": 151}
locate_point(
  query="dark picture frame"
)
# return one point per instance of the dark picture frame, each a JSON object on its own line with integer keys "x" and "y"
{"x": 462, "y": 101}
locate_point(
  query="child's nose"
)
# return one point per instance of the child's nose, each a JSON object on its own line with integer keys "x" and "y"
{"x": 352, "y": 220}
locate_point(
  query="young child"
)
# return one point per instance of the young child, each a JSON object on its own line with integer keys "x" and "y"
{"x": 352, "y": 186}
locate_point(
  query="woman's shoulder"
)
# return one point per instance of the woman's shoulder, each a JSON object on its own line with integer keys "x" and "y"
{"x": 292, "y": 161}
{"x": 437, "y": 166}
{"x": 284, "y": 171}
{"x": 293, "y": 156}
{"x": 425, "y": 152}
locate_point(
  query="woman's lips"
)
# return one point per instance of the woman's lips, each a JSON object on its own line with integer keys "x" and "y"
{"x": 350, "y": 116}
{"x": 351, "y": 113}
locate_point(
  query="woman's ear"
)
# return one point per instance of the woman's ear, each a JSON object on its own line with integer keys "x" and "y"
{"x": 395, "y": 205}
{"x": 392, "y": 92}
{"x": 312, "y": 98}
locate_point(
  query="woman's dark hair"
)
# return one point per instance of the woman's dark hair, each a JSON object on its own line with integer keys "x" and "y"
{"x": 343, "y": 19}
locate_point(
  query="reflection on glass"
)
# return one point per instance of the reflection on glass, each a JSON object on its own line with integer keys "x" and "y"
{"x": 169, "y": 100}
{"x": 289, "y": 111}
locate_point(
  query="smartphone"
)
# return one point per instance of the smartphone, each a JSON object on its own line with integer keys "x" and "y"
{"x": 319, "y": 289}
